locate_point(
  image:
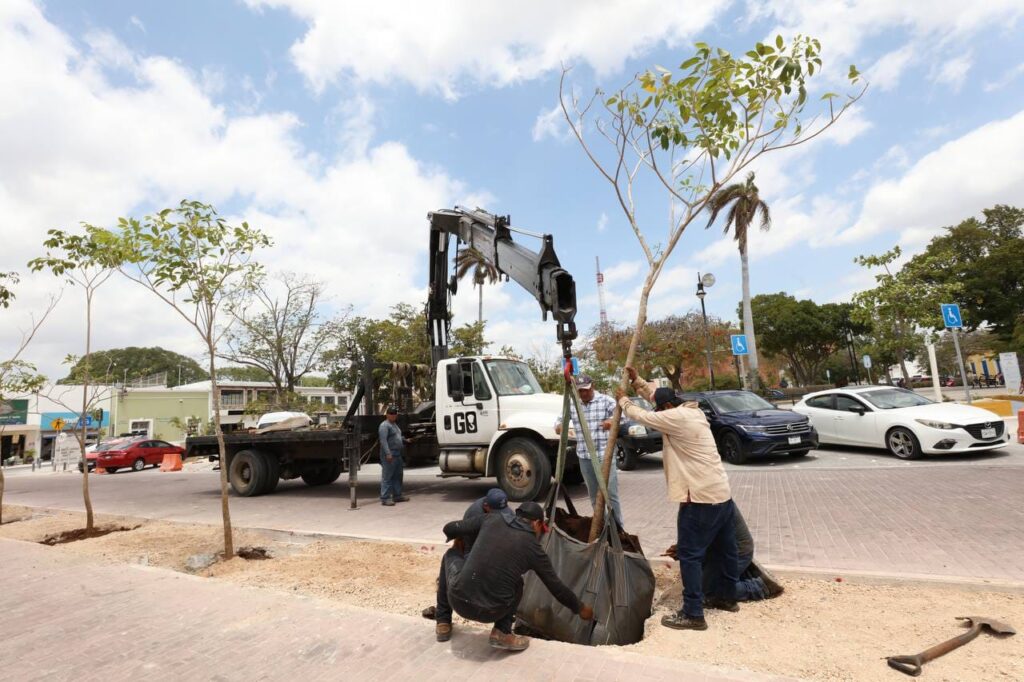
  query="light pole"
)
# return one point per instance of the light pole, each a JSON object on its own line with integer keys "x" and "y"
{"x": 707, "y": 281}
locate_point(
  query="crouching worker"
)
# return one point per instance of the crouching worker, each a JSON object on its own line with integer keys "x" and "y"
{"x": 487, "y": 584}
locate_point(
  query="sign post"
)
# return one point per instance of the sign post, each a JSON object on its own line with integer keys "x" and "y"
{"x": 739, "y": 349}
{"x": 951, "y": 318}
{"x": 867, "y": 366}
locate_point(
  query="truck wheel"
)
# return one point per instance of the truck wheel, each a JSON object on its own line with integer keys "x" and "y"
{"x": 524, "y": 470}
{"x": 273, "y": 471}
{"x": 323, "y": 474}
{"x": 625, "y": 458}
{"x": 247, "y": 473}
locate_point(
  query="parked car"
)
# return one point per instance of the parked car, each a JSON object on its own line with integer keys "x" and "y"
{"x": 135, "y": 454}
{"x": 909, "y": 425}
{"x": 746, "y": 425}
{"x": 635, "y": 439}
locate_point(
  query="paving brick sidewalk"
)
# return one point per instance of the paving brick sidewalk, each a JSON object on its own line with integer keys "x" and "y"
{"x": 65, "y": 618}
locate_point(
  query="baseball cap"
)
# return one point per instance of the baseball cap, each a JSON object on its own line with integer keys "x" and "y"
{"x": 666, "y": 395}
{"x": 584, "y": 381}
{"x": 392, "y": 409}
{"x": 531, "y": 511}
{"x": 496, "y": 498}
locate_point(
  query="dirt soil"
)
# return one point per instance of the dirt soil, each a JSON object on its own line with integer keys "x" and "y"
{"x": 818, "y": 630}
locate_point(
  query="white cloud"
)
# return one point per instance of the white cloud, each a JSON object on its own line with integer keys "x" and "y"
{"x": 602, "y": 222}
{"x": 1008, "y": 77}
{"x": 551, "y": 123}
{"x": 81, "y": 145}
{"x": 953, "y": 72}
{"x": 953, "y": 182}
{"x": 438, "y": 47}
{"x": 625, "y": 271}
{"x": 886, "y": 72}
{"x": 137, "y": 23}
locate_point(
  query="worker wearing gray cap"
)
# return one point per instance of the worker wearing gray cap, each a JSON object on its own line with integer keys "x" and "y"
{"x": 392, "y": 446}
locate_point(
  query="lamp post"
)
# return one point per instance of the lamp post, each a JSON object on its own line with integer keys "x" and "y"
{"x": 706, "y": 281}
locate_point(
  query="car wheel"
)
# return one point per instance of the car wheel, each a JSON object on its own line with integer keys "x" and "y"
{"x": 903, "y": 443}
{"x": 139, "y": 464}
{"x": 246, "y": 472}
{"x": 799, "y": 453}
{"x": 110, "y": 470}
{"x": 731, "y": 448}
{"x": 524, "y": 470}
{"x": 625, "y": 458}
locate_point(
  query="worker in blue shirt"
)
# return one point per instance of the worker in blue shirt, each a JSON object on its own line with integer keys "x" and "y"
{"x": 392, "y": 445}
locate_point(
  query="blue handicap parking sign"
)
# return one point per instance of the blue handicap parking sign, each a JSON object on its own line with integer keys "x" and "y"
{"x": 951, "y": 315}
{"x": 739, "y": 344}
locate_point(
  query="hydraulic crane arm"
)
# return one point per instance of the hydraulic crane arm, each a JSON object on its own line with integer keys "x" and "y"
{"x": 538, "y": 272}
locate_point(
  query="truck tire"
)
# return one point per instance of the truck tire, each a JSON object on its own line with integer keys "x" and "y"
{"x": 524, "y": 469}
{"x": 247, "y": 473}
{"x": 273, "y": 471}
{"x": 324, "y": 474}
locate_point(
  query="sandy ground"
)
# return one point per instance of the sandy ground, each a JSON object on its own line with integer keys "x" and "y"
{"x": 817, "y": 630}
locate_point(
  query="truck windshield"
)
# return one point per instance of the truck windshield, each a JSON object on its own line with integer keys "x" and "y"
{"x": 511, "y": 377}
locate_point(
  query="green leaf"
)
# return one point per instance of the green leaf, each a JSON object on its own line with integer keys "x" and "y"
{"x": 778, "y": 42}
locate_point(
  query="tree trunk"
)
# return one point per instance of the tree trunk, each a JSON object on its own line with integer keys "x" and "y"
{"x": 229, "y": 546}
{"x": 754, "y": 380}
{"x": 480, "y": 306}
{"x": 81, "y": 417}
{"x": 3, "y": 482}
{"x": 606, "y": 465}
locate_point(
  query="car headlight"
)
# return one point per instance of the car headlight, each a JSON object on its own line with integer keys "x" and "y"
{"x": 750, "y": 428}
{"x": 936, "y": 425}
{"x": 638, "y": 430}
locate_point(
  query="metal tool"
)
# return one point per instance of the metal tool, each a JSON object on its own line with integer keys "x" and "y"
{"x": 911, "y": 665}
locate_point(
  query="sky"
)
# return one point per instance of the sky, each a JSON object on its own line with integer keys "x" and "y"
{"x": 337, "y": 126}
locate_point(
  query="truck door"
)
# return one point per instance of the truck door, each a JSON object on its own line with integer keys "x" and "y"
{"x": 468, "y": 404}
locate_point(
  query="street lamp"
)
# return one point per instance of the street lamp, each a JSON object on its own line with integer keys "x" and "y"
{"x": 706, "y": 282}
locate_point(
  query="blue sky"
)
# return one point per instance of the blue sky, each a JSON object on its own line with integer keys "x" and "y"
{"x": 336, "y": 127}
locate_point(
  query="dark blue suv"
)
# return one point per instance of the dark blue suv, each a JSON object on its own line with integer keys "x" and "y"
{"x": 746, "y": 425}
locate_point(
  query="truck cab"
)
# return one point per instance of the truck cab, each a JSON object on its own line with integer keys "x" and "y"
{"x": 493, "y": 419}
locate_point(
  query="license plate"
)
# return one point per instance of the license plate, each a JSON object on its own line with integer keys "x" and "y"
{"x": 988, "y": 433}
{"x": 795, "y": 440}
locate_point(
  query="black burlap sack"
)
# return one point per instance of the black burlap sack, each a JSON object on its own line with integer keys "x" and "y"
{"x": 618, "y": 584}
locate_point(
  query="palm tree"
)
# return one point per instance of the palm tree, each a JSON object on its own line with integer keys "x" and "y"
{"x": 469, "y": 259}
{"x": 746, "y": 203}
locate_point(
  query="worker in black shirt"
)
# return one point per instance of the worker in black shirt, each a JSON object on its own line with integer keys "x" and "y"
{"x": 486, "y": 585}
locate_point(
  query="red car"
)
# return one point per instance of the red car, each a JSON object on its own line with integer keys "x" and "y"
{"x": 134, "y": 454}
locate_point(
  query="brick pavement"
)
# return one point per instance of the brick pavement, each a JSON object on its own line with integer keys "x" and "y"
{"x": 64, "y": 618}
{"x": 953, "y": 520}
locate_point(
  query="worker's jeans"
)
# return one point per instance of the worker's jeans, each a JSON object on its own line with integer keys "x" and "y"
{"x": 391, "y": 477}
{"x": 748, "y": 588}
{"x": 702, "y": 527}
{"x": 451, "y": 566}
{"x": 590, "y": 478}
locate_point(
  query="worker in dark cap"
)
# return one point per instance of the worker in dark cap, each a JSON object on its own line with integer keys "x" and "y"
{"x": 487, "y": 584}
{"x": 392, "y": 446}
{"x": 697, "y": 481}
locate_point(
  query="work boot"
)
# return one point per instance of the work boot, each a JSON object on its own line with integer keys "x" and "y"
{"x": 402, "y": 498}
{"x": 507, "y": 641}
{"x": 773, "y": 588}
{"x": 443, "y": 631}
{"x": 388, "y": 502}
{"x": 679, "y": 621}
{"x": 720, "y": 604}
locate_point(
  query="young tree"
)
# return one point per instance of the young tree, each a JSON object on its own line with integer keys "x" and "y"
{"x": 199, "y": 266}
{"x": 87, "y": 260}
{"x": 746, "y": 203}
{"x": 18, "y": 376}
{"x": 889, "y": 309}
{"x": 471, "y": 260}
{"x": 690, "y": 134}
{"x": 283, "y": 336}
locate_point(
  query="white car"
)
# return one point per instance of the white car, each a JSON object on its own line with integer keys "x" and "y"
{"x": 907, "y": 424}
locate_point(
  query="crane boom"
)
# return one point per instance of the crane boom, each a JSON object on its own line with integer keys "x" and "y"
{"x": 538, "y": 272}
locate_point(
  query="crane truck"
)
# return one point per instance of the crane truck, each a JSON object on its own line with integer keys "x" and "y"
{"x": 489, "y": 418}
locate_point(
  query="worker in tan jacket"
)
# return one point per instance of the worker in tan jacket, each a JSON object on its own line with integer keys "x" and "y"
{"x": 697, "y": 481}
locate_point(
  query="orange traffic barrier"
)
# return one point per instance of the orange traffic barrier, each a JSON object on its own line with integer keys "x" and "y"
{"x": 172, "y": 462}
{"x": 1020, "y": 426}
{"x": 99, "y": 470}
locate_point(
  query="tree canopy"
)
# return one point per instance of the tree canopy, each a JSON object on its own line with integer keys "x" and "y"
{"x": 109, "y": 366}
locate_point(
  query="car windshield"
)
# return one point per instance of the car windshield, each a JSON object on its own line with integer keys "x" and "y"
{"x": 894, "y": 398}
{"x": 511, "y": 377}
{"x": 739, "y": 402}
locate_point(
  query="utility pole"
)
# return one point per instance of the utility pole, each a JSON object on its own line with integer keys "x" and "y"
{"x": 708, "y": 281}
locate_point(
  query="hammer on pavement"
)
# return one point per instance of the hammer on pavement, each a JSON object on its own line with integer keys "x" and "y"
{"x": 911, "y": 665}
